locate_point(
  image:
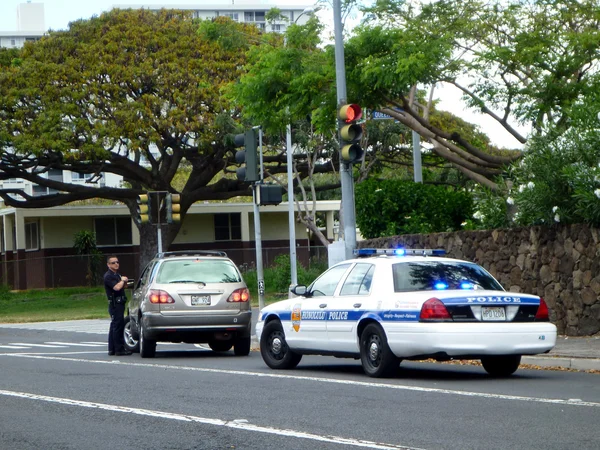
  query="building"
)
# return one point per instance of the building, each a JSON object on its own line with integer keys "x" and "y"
{"x": 36, "y": 245}
{"x": 30, "y": 26}
{"x": 240, "y": 11}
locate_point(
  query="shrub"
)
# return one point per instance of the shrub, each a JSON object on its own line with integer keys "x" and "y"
{"x": 395, "y": 207}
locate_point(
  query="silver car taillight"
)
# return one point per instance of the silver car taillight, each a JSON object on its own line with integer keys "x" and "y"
{"x": 239, "y": 295}
{"x": 158, "y": 296}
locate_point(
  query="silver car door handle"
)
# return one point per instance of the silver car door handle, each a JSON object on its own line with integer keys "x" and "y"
{"x": 357, "y": 305}
{"x": 323, "y": 305}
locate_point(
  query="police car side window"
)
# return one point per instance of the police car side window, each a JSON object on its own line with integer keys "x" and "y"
{"x": 358, "y": 281}
{"x": 326, "y": 283}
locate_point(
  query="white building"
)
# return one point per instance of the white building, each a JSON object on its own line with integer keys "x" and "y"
{"x": 30, "y": 26}
{"x": 240, "y": 11}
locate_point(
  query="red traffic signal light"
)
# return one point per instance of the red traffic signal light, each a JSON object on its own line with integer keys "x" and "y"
{"x": 350, "y": 113}
{"x": 350, "y": 133}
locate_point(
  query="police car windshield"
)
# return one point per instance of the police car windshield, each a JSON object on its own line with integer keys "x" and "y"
{"x": 436, "y": 275}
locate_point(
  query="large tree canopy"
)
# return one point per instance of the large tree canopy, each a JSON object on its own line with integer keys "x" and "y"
{"x": 133, "y": 93}
{"x": 525, "y": 63}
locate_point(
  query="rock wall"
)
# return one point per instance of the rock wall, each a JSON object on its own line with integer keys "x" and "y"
{"x": 559, "y": 263}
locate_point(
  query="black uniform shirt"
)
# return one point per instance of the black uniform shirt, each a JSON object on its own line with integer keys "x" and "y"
{"x": 110, "y": 281}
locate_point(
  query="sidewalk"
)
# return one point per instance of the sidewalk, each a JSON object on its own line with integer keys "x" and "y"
{"x": 579, "y": 353}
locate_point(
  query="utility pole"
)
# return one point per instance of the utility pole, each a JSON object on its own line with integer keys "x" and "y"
{"x": 348, "y": 208}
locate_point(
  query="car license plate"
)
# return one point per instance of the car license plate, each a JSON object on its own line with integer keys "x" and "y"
{"x": 492, "y": 313}
{"x": 200, "y": 300}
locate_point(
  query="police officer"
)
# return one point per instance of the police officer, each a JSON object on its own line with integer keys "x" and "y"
{"x": 114, "y": 284}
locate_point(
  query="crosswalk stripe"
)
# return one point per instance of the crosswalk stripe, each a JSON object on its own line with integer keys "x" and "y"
{"x": 12, "y": 346}
{"x": 83, "y": 344}
{"x": 37, "y": 345}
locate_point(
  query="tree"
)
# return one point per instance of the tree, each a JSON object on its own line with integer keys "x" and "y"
{"x": 517, "y": 62}
{"x": 84, "y": 243}
{"x": 132, "y": 93}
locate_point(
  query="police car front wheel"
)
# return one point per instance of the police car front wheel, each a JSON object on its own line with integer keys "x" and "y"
{"x": 274, "y": 349}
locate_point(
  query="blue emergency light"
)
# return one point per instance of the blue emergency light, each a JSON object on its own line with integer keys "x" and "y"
{"x": 364, "y": 252}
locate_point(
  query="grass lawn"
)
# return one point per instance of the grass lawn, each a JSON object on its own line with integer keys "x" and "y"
{"x": 47, "y": 305}
{"x": 53, "y": 304}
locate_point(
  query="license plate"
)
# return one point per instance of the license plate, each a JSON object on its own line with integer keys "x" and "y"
{"x": 492, "y": 313}
{"x": 200, "y": 300}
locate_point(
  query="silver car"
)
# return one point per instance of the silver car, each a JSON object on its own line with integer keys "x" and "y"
{"x": 191, "y": 297}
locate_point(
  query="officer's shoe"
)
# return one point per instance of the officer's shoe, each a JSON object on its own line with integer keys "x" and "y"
{"x": 123, "y": 353}
{"x": 111, "y": 353}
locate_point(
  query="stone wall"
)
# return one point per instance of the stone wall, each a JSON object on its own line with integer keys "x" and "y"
{"x": 559, "y": 263}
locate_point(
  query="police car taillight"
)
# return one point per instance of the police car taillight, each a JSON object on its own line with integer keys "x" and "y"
{"x": 542, "y": 312}
{"x": 434, "y": 309}
{"x": 239, "y": 295}
{"x": 158, "y": 296}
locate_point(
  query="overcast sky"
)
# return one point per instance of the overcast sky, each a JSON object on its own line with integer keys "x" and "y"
{"x": 58, "y": 14}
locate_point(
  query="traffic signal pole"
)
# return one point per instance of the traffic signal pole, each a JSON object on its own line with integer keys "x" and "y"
{"x": 348, "y": 209}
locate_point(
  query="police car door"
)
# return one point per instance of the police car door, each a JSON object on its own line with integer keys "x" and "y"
{"x": 309, "y": 314}
{"x": 348, "y": 306}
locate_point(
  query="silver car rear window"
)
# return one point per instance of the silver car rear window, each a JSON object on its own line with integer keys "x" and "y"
{"x": 198, "y": 271}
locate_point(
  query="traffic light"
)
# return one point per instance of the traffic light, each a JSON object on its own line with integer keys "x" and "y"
{"x": 173, "y": 208}
{"x": 350, "y": 133}
{"x": 249, "y": 155}
{"x": 144, "y": 209}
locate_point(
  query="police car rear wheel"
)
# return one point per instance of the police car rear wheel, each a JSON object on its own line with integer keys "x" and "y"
{"x": 274, "y": 349}
{"x": 220, "y": 346}
{"x": 376, "y": 357}
{"x": 501, "y": 366}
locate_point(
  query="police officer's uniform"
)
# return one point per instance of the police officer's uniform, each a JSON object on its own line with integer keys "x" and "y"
{"x": 116, "y": 309}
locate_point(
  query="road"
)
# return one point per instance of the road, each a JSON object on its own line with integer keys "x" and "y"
{"x": 60, "y": 390}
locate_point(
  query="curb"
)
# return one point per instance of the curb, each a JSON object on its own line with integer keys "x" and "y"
{"x": 563, "y": 361}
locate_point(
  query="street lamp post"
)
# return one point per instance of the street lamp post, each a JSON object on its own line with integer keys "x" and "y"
{"x": 290, "y": 181}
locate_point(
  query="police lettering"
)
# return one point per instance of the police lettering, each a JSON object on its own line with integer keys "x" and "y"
{"x": 338, "y": 315}
{"x": 313, "y": 315}
{"x": 493, "y": 300}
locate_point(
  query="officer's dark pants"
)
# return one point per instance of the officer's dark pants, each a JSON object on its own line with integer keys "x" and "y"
{"x": 116, "y": 342}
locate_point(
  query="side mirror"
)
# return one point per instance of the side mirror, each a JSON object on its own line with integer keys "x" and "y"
{"x": 299, "y": 290}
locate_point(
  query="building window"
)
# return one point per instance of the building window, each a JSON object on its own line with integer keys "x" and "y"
{"x": 228, "y": 227}
{"x": 113, "y": 230}
{"x": 13, "y": 42}
{"x": 277, "y": 27}
{"x": 232, "y": 16}
{"x": 32, "y": 241}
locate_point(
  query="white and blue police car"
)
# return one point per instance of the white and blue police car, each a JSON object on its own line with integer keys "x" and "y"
{"x": 387, "y": 305}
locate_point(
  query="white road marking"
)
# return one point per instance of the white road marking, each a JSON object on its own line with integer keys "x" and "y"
{"x": 12, "y": 346}
{"x": 368, "y": 384}
{"x": 83, "y": 344}
{"x": 239, "y": 424}
{"x": 37, "y": 345}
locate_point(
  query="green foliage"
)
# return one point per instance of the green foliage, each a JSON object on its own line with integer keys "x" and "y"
{"x": 394, "y": 207}
{"x": 85, "y": 245}
{"x": 278, "y": 276}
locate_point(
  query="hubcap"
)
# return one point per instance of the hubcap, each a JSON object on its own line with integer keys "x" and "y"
{"x": 373, "y": 351}
{"x": 276, "y": 346}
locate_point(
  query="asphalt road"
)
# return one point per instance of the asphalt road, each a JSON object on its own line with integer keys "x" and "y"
{"x": 60, "y": 390}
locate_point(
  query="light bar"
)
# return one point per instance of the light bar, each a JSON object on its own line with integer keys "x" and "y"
{"x": 364, "y": 252}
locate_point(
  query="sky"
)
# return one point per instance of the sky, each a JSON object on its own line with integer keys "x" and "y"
{"x": 58, "y": 14}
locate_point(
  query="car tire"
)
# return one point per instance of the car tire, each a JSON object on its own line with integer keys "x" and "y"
{"x": 220, "y": 346}
{"x": 274, "y": 349}
{"x": 131, "y": 343}
{"x": 501, "y": 366}
{"x": 375, "y": 355}
{"x": 147, "y": 346}
{"x": 242, "y": 347}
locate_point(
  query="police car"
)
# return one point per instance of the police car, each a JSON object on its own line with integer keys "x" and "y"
{"x": 387, "y": 305}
